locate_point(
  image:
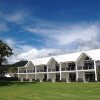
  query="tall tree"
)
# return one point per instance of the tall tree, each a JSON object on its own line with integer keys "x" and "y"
{"x": 5, "y": 51}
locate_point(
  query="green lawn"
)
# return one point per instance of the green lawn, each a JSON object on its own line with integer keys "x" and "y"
{"x": 49, "y": 91}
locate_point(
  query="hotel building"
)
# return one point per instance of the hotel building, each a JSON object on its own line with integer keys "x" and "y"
{"x": 72, "y": 67}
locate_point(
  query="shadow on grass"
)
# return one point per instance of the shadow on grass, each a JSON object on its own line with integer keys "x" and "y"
{"x": 10, "y": 83}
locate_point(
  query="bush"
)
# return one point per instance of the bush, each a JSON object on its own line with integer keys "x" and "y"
{"x": 9, "y": 79}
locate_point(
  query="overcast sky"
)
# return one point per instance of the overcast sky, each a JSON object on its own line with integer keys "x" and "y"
{"x": 39, "y": 28}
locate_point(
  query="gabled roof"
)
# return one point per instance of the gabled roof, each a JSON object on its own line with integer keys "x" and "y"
{"x": 94, "y": 54}
{"x": 82, "y": 54}
{"x": 60, "y": 58}
{"x": 29, "y": 63}
{"x": 41, "y": 61}
{"x": 72, "y": 57}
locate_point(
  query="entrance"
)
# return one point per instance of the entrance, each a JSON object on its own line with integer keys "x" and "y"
{"x": 72, "y": 77}
{"x": 45, "y": 77}
{"x": 90, "y": 76}
{"x": 45, "y": 68}
{"x": 57, "y": 77}
{"x": 57, "y": 67}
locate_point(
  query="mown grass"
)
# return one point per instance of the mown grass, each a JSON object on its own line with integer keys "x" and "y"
{"x": 49, "y": 91}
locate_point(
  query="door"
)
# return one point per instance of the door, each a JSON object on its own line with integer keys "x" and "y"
{"x": 45, "y": 77}
{"x": 90, "y": 76}
{"x": 57, "y": 77}
{"x": 72, "y": 77}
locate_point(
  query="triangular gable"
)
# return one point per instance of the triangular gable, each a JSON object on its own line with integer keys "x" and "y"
{"x": 29, "y": 62}
{"x": 51, "y": 60}
{"x": 82, "y": 55}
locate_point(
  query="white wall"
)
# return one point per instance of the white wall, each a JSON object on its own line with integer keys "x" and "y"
{"x": 81, "y": 61}
{"x": 52, "y": 76}
{"x": 64, "y": 65}
{"x": 29, "y": 64}
{"x": 40, "y": 76}
{"x": 65, "y": 75}
{"x": 31, "y": 76}
{"x": 41, "y": 67}
{"x": 81, "y": 75}
{"x": 51, "y": 64}
{"x": 98, "y": 63}
{"x": 22, "y": 76}
{"x": 22, "y": 69}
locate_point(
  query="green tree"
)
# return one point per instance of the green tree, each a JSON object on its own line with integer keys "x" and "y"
{"x": 5, "y": 51}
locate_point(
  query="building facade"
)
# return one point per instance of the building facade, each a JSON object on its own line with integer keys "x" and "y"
{"x": 80, "y": 66}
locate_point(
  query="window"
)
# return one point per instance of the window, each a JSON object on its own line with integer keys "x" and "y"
{"x": 88, "y": 63}
{"x": 71, "y": 66}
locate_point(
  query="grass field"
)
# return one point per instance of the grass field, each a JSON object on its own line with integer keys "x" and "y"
{"x": 49, "y": 91}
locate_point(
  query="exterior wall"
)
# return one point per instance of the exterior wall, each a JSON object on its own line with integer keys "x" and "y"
{"x": 51, "y": 66}
{"x": 22, "y": 76}
{"x": 98, "y": 63}
{"x": 64, "y": 65}
{"x": 30, "y": 69}
{"x": 40, "y": 77}
{"x": 40, "y": 68}
{"x": 81, "y": 76}
{"x": 30, "y": 64}
{"x": 98, "y": 70}
{"x": 29, "y": 72}
{"x": 65, "y": 76}
{"x": 22, "y": 70}
{"x": 31, "y": 76}
{"x": 81, "y": 61}
{"x": 52, "y": 76}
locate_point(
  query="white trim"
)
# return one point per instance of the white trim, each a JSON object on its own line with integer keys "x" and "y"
{"x": 60, "y": 70}
{"x": 76, "y": 71}
{"x": 18, "y": 72}
{"x": 35, "y": 72}
{"x": 47, "y": 73}
{"x": 95, "y": 71}
{"x": 29, "y": 62}
{"x": 82, "y": 55}
{"x": 51, "y": 60}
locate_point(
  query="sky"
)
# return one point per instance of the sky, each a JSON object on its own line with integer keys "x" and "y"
{"x": 40, "y": 28}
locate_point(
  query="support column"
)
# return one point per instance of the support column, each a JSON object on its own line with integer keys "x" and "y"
{"x": 76, "y": 72}
{"x": 67, "y": 77}
{"x": 60, "y": 70}
{"x": 30, "y": 80}
{"x": 53, "y": 78}
{"x": 35, "y": 72}
{"x": 47, "y": 73}
{"x": 18, "y": 72}
{"x": 21, "y": 79}
{"x": 95, "y": 71}
{"x": 84, "y": 77}
{"x": 26, "y": 73}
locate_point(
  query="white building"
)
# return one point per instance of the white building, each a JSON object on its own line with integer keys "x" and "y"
{"x": 80, "y": 66}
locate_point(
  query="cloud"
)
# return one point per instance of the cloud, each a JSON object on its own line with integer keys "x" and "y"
{"x": 88, "y": 45}
{"x": 16, "y": 17}
{"x": 56, "y": 37}
{"x": 35, "y": 53}
{"x": 62, "y": 39}
{"x": 10, "y": 42}
{"x": 27, "y": 52}
{"x": 64, "y": 35}
{"x": 74, "y": 33}
{"x": 18, "y": 46}
{"x": 3, "y": 27}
